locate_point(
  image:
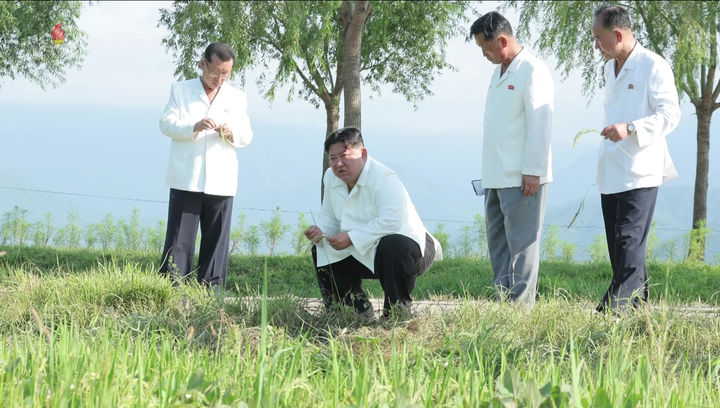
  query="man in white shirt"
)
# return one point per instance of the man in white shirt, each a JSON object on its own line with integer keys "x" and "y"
{"x": 368, "y": 228}
{"x": 516, "y": 159}
{"x": 641, "y": 109}
{"x": 206, "y": 120}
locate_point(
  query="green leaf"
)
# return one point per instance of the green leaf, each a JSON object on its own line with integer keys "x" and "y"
{"x": 601, "y": 399}
{"x": 197, "y": 380}
{"x": 581, "y": 133}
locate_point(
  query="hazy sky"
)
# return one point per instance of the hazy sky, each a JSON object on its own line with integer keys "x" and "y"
{"x": 126, "y": 65}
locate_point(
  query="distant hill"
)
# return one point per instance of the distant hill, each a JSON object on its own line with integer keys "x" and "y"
{"x": 281, "y": 168}
{"x": 673, "y": 217}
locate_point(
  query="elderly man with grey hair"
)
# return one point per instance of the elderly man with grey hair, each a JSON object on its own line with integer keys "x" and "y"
{"x": 641, "y": 109}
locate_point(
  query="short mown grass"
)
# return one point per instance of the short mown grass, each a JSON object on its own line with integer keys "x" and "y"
{"x": 114, "y": 333}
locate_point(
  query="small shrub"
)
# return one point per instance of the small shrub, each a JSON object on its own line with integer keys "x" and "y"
{"x": 299, "y": 242}
{"x": 551, "y": 243}
{"x": 696, "y": 240}
{"x": 273, "y": 230}
{"x": 237, "y": 235}
{"x": 252, "y": 240}
{"x": 156, "y": 237}
{"x": 568, "y": 251}
{"x": 598, "y": 249}
{"x": 464, "y": 249}
{"x": 443, "y": 238}
{"x": 481, "y": 230}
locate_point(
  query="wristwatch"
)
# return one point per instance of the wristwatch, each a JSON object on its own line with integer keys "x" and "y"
{"x": 631, "y": 129}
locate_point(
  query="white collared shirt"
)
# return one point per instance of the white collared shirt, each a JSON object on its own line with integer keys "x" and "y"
{"x": 203, "y": 162}
{"x": 378, "y": 205}
{"x": 644, "y": 94}
{"x": 518, "y": 123}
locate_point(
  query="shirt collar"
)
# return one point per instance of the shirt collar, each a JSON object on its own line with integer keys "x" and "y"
{"x": 203, "y": 94}
{"x": 516, "y": 61}
{"x": 362, "y": 179}
{"x": 199, "y": 86}
{"x": 631, "y": 60}
{"x": 497, "y": 80}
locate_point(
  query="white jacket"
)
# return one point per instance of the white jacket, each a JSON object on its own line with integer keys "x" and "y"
{"x": 518, "y": 123}
{"x": 377, "y": 206}
{"x": 643, "y": 93}
{"x": 203, "y": 162}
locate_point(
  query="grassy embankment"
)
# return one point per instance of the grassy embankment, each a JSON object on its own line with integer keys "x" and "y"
{"x": 451, "y": 278}
{"x": 116, "y": 334}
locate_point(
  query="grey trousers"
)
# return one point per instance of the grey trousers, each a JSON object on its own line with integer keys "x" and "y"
{"x": 514, "y": 223}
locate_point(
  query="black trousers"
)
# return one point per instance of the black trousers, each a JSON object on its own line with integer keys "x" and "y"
{"x": 214, "y": 214}
{"x": 628, "y": 216}
{"x": 398, "y": 263}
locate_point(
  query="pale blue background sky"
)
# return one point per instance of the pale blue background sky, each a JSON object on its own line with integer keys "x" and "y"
{"x": 97, "y": 134}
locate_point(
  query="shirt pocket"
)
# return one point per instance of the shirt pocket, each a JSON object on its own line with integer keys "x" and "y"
{"x": 511, "y": 102}
{"x": 647, "y": 161}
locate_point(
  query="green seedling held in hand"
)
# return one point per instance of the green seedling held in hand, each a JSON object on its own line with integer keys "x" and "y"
{"x": 586, "y": 131}
{"x": 222, "y": 136}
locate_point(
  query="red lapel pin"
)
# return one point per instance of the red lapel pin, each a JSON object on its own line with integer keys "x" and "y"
{"x": 631, "y": 86}
{"x": 511, "y": 87}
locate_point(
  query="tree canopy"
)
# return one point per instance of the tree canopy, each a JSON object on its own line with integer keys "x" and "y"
{"x": 403, "y": 42}
{"x": 26, "y": 46}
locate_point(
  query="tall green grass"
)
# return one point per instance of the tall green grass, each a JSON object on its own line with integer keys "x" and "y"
{"x": 451, "y": 278}
{"x": 120, "y": 335}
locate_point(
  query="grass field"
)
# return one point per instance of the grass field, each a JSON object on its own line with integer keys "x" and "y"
{"x": 78, "y": 331}
{"x": 451, "y": 278}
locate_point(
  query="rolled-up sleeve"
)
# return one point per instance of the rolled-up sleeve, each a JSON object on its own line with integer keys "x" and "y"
{"x": 171, "y": 122}
{"x": 539, "y": 106}
{"x": 663, "y": 101}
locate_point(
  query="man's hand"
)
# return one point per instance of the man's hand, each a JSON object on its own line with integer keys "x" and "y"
{"x": 204, "y": 124}
{"x": 616, "y": 132}
{"x": 340, "y": 241}
{"x": 314, "y": 233}
{"x": 226, "y": 132}
{"x": 529, "y": 184}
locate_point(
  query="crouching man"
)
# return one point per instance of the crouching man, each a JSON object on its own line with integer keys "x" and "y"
{"x": 368, "y": 228}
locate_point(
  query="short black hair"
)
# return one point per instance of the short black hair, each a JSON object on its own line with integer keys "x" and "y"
{"x": 350, "y": 136}
{"x": 490, "y": 25}
{"x": 611, "y": 16}
{"x": 222, "y": 50}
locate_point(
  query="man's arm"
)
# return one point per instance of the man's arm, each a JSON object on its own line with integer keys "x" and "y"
{"x": 171, "y": 123}
{"x": 238, "y": 130}
{"x": 663, "y": 98}
{"x": 539, "y": 106}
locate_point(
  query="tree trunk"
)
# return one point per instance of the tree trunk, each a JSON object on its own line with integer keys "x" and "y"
{"x": 332, "y": 117}
{"x": 704, "y": 115}
{"x": 355, "y": 13}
